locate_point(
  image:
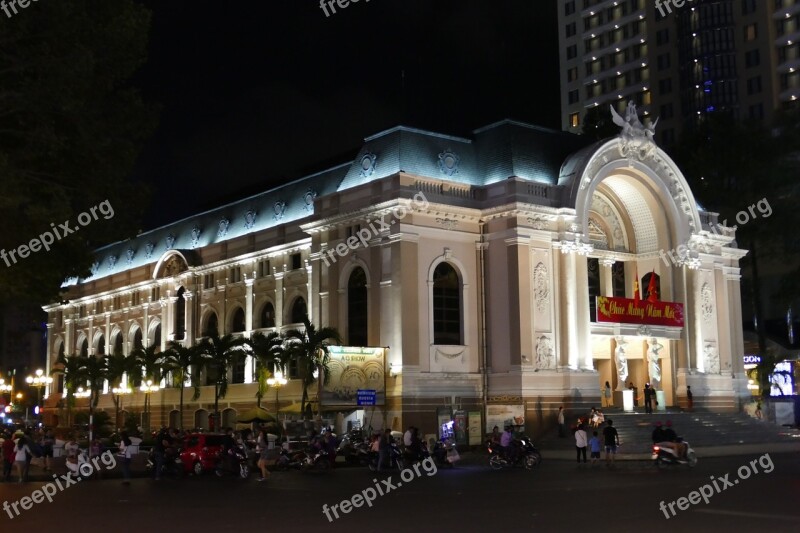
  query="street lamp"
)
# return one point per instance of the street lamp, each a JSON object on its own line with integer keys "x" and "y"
{"x": 39, "y": 381}
{"x": 277, "y": 381}
{"x": 119, "y": 392}
{"x": 80, "y": 393}
{"x": 3, "y": 387}
{"x": 147, "y": 388}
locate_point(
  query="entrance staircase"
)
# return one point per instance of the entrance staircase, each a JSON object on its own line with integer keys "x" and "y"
{"x": 700, "y": 428}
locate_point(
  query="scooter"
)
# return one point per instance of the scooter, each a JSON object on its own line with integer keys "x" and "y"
{"x": 395, "y": 459}
{"x": 319, "y": 460}
{"x": 527, "y": 456}
{"x": 237, "y": 463}
{"x": 445, "y": 453}
{"x": 664, "y": 457}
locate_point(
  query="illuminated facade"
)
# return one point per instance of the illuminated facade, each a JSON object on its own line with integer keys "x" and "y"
{"x": 476, "y": 261}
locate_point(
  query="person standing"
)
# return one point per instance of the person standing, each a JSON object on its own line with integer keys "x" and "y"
{"x": 595, "y": 446}
{"x": 21, "y": 453}
{"x": 262, "y": 447}
{"x": 8, "y": 456}
{"x": 383, "y": 449}
{"x": 611, "y": 438}
{"x": 608, "y": 401}
{"x": 562, "y": 425}
{"x": 125, "y": 452}
{"x": 648, "y": 399}
{"x": 758, "y": 410}
{"x": 690, "y": 397}
{"x": 580, "y": 444}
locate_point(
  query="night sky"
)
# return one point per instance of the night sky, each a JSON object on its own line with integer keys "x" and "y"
{"x": 258, "y": 93}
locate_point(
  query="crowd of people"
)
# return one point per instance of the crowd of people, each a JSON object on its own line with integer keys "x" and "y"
{"x": 20, "y": 447}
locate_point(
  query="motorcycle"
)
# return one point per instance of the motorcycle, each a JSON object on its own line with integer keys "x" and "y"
{"x": 395, "y": 459}
{"x": 527, "y": 456}
{"x": 319, "y": 460}
{"x": 354, "y": 449}
{"x": 664, "y": 457}
{"x": 237, "y": 463}
{"x": 445, "y": 454}
{"x": 172, "y": 463}
{"x": 288, "y": 459}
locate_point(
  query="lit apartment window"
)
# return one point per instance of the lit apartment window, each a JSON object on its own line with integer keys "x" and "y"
{"x": 751, "y": 32}
{"x": 575, "y": 120}
{"x": 572, "y": 74}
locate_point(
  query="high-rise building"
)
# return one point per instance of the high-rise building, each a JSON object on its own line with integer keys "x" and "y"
{"x": 678, "y": 60}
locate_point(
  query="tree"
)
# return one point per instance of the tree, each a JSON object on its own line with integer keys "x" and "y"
{"x": 309, "y": 347}
{"x": 92, "y": 371}
{"x": 117, "y": 366}
{"x": 268, "y": 350}
{"x": 148, "y": 363}
{"x": 179, "y": 360}
{"x": 71, "y": 127}
{"x": 220, "y": 353}
{"x": 70, "y": 367}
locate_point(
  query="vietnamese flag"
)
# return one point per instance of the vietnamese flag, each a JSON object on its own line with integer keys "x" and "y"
{"x": 636, "y": 297}
{"x": 652, "y": 291}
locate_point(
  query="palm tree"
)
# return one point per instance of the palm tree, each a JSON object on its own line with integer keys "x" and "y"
{"x": 93, "y": 372}
{"x": 69, "y": 366}
{"x": 179, "y": 360}
{"x": 268, "y": 350}
{"x": 220, "y": 353}
{"x": 117, "y": 366}
{"x": 309, "y": 348}
{"x": 149, "y": 362}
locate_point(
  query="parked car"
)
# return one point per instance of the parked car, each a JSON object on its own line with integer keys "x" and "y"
{"x": 200, "y": 452}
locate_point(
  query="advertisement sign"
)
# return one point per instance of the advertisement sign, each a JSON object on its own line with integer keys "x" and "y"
{"x": 503, "y": 415}
{"x": 366, "y": 397}
{"x": 629, "y": 311}
{"x": 474, "y": 428}
{"x": 353, "y": 369}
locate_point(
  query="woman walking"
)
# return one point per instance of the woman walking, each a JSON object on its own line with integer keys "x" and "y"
{"x": 263, "y": 451}
{"x": 21, "y": 451}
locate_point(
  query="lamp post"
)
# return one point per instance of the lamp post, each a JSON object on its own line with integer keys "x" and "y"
{"x": 277, "y": 381}
{"x": 147, "y": 388}
{"x": 39, "y": 381}
{"x": 119, "y": 392}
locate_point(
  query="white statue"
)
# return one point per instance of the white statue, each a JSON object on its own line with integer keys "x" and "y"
{"x": 654, "y": 370}
{"x": 544, "y": 355}
{"x": 622, "y": 363}
{"x": 637, "y": 139}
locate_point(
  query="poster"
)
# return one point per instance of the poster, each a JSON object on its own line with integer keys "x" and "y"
{"x": 354, "y": 368}
{"x": 502, "y": 415}
{"x": 629, "y": 311}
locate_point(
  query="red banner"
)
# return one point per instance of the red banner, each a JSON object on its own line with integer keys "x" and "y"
{"x": 627, "y": 311}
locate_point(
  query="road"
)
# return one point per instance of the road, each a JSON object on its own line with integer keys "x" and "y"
{"x": 558, "y": 496}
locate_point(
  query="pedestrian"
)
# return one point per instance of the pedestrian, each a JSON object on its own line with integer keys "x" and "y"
{"x": 580, "y": 444}
{"x": 608, "y": 401}
{"x": 635, "y": 390}
{"x": 648, "y": 398}
{"x": 125, "y": 453}
{"x": 595, "y": 446}
{"x": 758, "y": 409}
{"x": 690, "y": 397}
{"x": 21, "y": 453}
{"x": 262, "y": 445}
{"x": 48, "y": 441}
{"x": 562, "y": 425}
{"x": 611, "y": 438}
{"x": 8, "y": 456}
{"x": 383, "y": 448}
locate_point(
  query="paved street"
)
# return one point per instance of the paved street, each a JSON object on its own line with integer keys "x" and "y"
{"x": 556, "y": 497}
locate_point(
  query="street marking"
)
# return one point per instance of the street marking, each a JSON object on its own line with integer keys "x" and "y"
{"x": 749, "y": 515}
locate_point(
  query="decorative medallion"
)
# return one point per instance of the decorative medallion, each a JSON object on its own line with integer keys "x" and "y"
{"x": 367, "y": 164}
{"x": 148, "y": 249}
{"x": 129, "y": 255}
{"x": 541, "y": 288}
{"x": 448, "y": 163}
{"x": 250, "y": 219}
{"x": 196, "y": 231}
{"x": 279, "y": 209}
{"x": 170, "y": 241}
{"x": 644, "y": 331}
{"x": 308, "y": 199}
{"x": 222, "y": 230}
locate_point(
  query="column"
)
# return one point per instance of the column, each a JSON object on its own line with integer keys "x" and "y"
{"x": 581, "y": 291}
{"x": 569, "y": 309}
{"x": 279, "y": 310}
{"x": 248, "y": 324}
{"x": 49, "y": 362}
{"x": 607, "y": 277}
{"x": 189, "y": 327}
{"x": 310, "y": 300}
{"x": 107, "y": 347}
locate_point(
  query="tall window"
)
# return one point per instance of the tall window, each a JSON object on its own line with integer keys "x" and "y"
{"x": 446, "y": 305}
{"x": 238, "y": 369}
{"x": 268, "y": 316}
{"x": 618, "y": 279}
{"x": 157, "y": 337}
{"x": 180, "y": 315}
{"x": 593, "y": 272}
{"x": 100, "y": 348}
{"x": 357, "y": 308}
{"x": 212, "y": 325}
{"x": 118, "y": 344}
{"x": 85, "y": 348}
{"x": 137, "y": 340}
{"x": 60, "y": 377}
{"x": 299, "y": 310}
{"x": 238, "y": 324}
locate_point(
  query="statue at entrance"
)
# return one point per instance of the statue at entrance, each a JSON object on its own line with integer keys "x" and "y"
{"x": 622, "y": 362}
{"x": 653, "y": 368}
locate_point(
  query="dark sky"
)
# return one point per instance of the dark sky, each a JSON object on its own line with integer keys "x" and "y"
{"x": 257, "y": 93}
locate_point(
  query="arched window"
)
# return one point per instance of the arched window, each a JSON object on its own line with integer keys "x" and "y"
{"x": 446, "y": 305}
{"x": 157, "y": 336}
{"x": 357, "y": 308}
{"x": 118, "y": 344}
{"x": 618, "y": 279}
{"x": 60, "y": 376}
{"x": 138, "y": 343}
{"x": 268, "y": 316}
{"x": 238, "y": 324}
{"x": 85, "y": 348}
{"x": 651, "y": 282}
{"x": 299, "y": 310}
{"x": 100, "y": 347}
{"x": 180, "y": 315}
{"x": 212, "y": 325}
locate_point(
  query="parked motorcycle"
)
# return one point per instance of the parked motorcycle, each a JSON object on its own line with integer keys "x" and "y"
{"x": 173, "y": 466}
{"x": 527, "y": 456}
{"x": 354, "y": 449}
{"x": 445, "y": 454}
{"x": 319, "y": 461}
{"x": 234, "y": 462}
{"x": 664, "y": 457}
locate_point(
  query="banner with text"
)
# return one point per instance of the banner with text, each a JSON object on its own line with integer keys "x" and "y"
{"x": 628, "y": 311}
{"x": 354, "y": 369}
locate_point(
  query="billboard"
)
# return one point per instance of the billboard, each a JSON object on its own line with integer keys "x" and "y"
{"x": 628, "y": 311}
{"x": 353, "y": 369}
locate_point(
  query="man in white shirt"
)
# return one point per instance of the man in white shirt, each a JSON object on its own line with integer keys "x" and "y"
{"x": 581, "y": 441}
{"x": 408, "y": 437}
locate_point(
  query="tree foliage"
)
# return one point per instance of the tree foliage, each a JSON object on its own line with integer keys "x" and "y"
{"x": 71, "y": 127}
